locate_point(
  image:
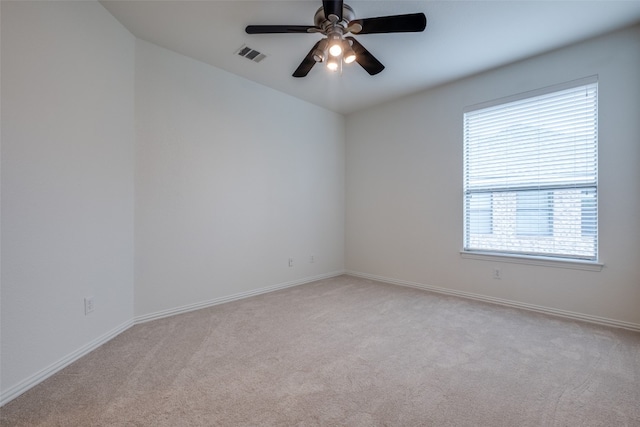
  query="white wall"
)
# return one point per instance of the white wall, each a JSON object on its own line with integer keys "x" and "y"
{"x": 404, "y": 186}
{"x": 229, "y": 183}
{"x": 67, "y": 184}
{"x": 232, "y": 179}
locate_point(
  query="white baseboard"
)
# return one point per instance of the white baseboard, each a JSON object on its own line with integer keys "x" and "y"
{"x": 35, "y": 379}
{"x": 210, "y": 303}
{"x": 508, "y": 303}
{"x": 42, "y": 375}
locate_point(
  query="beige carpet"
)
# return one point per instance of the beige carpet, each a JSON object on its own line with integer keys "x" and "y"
{"x": 349, "y": 352}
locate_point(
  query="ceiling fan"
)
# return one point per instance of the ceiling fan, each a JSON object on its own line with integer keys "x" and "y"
{"x": 335, "y": 20}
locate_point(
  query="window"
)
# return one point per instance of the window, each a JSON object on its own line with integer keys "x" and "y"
{"x": 531, "y": 174}
{"x": 534, "y": 213}
{"x": 480, "y": 212}
{"x": 588, "y": 212}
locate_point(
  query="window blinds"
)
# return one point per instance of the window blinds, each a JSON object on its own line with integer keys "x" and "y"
{"x": 531, "y": 174}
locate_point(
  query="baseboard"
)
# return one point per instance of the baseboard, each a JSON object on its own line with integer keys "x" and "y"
{"x": 504, "y": 302}
{"x": 42, "y": 375}
{"x": 35, "y": 379}
{"x": 221, "y": 300}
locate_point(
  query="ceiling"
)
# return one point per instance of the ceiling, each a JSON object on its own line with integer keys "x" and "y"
{"x": 462, "y": 38}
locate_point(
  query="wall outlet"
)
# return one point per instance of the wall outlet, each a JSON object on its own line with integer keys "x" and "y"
{"x": 88, "y": 305}
{"x": 290, "y": 262}
{"x": 312, "y": 259}
{"x": 497, "y": 273}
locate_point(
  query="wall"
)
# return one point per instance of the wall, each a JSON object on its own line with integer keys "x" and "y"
{"x": 232, "y": 179}
{"x": 67, "y": 185}
{"x": 404, "y": 187}
{"x": 229, "y": 184}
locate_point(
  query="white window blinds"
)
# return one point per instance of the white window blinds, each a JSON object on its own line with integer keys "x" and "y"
{"x": 531, "y": 174}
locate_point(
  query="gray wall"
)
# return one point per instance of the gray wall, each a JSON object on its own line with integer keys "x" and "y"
{"x": 67, "y": 184}
{"x": 404, "y": 187}
{"x": 145, "y": 179}
{"x": 153, "y": 182}
{"x": 230, "y": 183}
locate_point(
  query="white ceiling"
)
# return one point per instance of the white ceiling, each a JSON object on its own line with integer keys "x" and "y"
{"x": 462, "y": 38}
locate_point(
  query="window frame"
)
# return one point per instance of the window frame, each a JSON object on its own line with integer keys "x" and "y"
{"x": 554, "y": 260}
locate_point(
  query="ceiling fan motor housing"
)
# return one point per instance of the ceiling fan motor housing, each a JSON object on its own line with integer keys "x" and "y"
{"x": 321, "y": 21}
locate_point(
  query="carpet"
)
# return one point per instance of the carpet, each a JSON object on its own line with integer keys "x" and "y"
{"x": 347, "y": 351}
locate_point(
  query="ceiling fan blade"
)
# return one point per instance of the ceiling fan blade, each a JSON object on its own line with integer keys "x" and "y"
{"x": 365, "y": 58}
{"x": 333, "y": 7}
{"x": 411, "y": 23}
{"x": 307, "y": 63}
{"x": 278, "y": 29}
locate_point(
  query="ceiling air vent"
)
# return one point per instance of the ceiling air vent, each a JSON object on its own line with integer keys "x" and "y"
{"x": 251, "y": 54}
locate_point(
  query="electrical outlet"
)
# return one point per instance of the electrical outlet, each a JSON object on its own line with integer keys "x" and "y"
{"x": 312, "y": 259}
{"x": 88, "y": 305}
{"x": 290, "y": 262}
{"x": 497, "y": 273}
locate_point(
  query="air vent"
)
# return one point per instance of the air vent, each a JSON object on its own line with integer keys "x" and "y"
{"x": 251, "y": 54}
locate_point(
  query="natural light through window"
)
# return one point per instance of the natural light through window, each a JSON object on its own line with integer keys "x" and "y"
{"x": 531, "y": 174}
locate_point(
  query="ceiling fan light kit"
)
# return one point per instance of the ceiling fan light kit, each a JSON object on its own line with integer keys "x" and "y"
{"x": 335, "y": 44}
{"x": 333, "y": 64}
{"x": 335, "y": 20}
{"x": 349, "y": 54}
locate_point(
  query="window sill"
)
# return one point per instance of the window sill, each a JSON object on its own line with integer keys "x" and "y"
{"x": 574, "y": 264}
